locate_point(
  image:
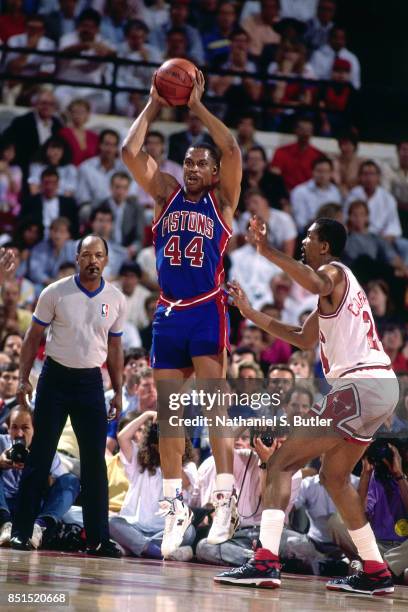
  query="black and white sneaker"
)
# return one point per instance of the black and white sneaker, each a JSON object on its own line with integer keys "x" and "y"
{"x": 376, "y": 583}
{"x": 262, "y": 570}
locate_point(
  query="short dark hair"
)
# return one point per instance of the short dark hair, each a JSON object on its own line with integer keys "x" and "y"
{"x": 242, "y": 350}
{"x": 135, "y": 24}
{"x": 35, "y": 17}
{"x": 9, "y": 367}
{"x": 58, "y": 143}
{"x": 49, "y": 172}
{"x": 215, "y": 154}
{"x": 356, "y": 203}
{"x": 367, "y": 163}
{"x": 79, "y": 245}
{"x": 89, "y": 15}
{"x": 155, "y": 134}
{"x": 332, "y": 232}
{"x": 66, "y": 265}
{"x": 132, "y": 267}
{"x": 300, "y": 389}
{"x": 103, "y": 210}
{"x": 61, "y": 221}
{"x": 329, "y": 210}
{"x": 106, "y": 133}
{"x": 239, "y": 32}
{"x": 176, "y": 30}
{"x": 322, "y": 160}
{"x": 121, "y": 175}
{"x": 136, "y": 353}
{"x": 259, "y": 149}
{"x": 281, "y": 367}
{"x": 351, "y": 136}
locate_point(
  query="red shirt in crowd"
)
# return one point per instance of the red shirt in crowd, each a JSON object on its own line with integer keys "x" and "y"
{"x": 78, "y": 154}
{"x": 295, "y": 164}
{"x": 10, "y": 25}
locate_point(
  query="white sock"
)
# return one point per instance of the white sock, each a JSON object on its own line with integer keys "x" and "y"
{"x": 224, "y": 482}
{"x": 364, "y": 541}
{"x": 271, "y": 529}
{"x": 172, "y": 487}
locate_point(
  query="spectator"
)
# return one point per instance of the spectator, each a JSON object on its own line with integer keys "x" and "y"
{"x": 13, "y": 19}
{"x": 367, "y": 253}
{"x": 331, "y": 211}
{"x": 26, "y": 235}
{"x": 47, "y": 256}
{"x": 58, "y": 496}
{"x": 135, "y": 48}
{"x": 155, "y": 15}
{"x": 54, "y": 154}
{"x": 11, "y": 345}
{"x": 29, "y": 131}
{"x": 176, "y": 45}
{"x": 290, "y": 61}
{"x": 179, "y": 13}
{"x": 155, "y": 146}
{"x": 139, "y": 526}
{"x": 114, "y": 21}
{"x": 276, "y": 350}
{"x": 281, "y": 229}
{"x": 281, "y": 380}
{"x": 346, "y": 164}
{"x": 27, "y": 291}
{"x": 128, "y": 215}
{"x": 302, "y": 10}
{"x": 301, "y": 364}
{"x": 253, "y": 272}
{"x": 17, "y": 319}
{"x": 238, "y": 92}
{"x": 48, "y": 205}
{"x": 129, "y": 283}
{"x": 337, "y": 100}
{"x": 10, "y": 180}
{"x": 250, "y": 476}
{"x": 260, "y": 27}
{"x": 249, "y": 370}
{"x": 217, "y": 41}
{"x": 382, "y": 205}
{"x": 393, "y": 343}
{"x": 294, "y": 162}
{"x": 62, "y": 20}
{"x": 83, "y": 143}
{"x": 95, "y": 173}
{"x": 246, "y": 133}
{"x": 257, "y": 176}
{"x": 252, "y": 338}
{"x": 318, "y": 28}
{"x": 307, "y": 198}
{"x": 203, "y": 14}
{"x": 8, "y": 393}
{"x": 396, "y": 181}
{"x": 147, "y": 262}
{"x": 323, "y": 59}
{"x": 146, "y": 333}
{"x": 192, "y": 136}
{"x": 283, "y": 298}
{"x": 67, "y": 268}
{"x": 378, "y": 295}
{"x": 85, "y": 41}
{"x": 101, "y": 221}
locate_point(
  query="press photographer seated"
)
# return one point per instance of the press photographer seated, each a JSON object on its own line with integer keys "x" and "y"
{"x": 59, "y": 495}
{"x": 139, "y": 526}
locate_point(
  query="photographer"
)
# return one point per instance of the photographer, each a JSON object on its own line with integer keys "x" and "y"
{"x": 384, "y": 492}
{"x": 250, "y": 477}
{"x": 139, "y": 526}
{"x": 59, "y": 495}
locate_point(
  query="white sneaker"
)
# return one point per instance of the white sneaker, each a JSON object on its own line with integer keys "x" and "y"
{"x": 226, "y": 519}
{"x": 184, "y": 553}
{"x": 5, "y": 534}
{"x": 177, "y": 517}
{"x": 36, "y": 538}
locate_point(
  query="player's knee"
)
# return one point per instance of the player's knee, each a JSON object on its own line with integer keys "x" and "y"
{"x": 282, "y": 462}
{"x": 333, "y": 480}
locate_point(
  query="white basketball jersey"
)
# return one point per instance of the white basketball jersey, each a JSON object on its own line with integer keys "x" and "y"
{"x": 348, "y": 337}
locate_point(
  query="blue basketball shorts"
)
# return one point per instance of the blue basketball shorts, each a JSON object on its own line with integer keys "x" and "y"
{"x": 190, "y": 332}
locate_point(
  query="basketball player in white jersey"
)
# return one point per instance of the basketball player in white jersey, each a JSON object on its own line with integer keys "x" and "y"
{"x": 363, "y": 395}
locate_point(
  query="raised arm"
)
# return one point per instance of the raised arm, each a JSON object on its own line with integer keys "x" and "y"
{"x": 125, "y": 436}
{"x": 142, "y": 166}
{"x": 303, "y": 337}
{"x": 231, "y": 164}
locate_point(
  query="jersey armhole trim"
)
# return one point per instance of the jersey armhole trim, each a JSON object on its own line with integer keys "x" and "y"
{"x": 217, "y": 210}
{"x": 166, "y": 207}
{"x": 37, "y": 320}
{"x": 115, "y": 334}
{"x": 340, "y": 306}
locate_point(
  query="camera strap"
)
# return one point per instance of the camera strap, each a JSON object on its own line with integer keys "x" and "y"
{"x": 251, "y": 454}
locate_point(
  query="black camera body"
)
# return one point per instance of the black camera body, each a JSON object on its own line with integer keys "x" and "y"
{"x": 18, "y": 452}
{"x": 266, "y": 436}
{"x": 378, "y": 451}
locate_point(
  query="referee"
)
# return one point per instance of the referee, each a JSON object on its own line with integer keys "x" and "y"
{"x": 85, "y": 316}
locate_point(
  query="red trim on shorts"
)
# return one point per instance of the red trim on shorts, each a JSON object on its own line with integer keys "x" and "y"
{"x": 337, "y": 311}
{"x": 223, "y": 339}
{"x": 202, "y": 298}
{"x": 219, "y": 271}
{"x": 359, "y": 442}
{"x": 366, "y": 367}
{"x": 165, "y": 208}
{"x": 217, "y": 209}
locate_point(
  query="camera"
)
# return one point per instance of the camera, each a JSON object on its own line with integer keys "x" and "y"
{"x": 266, "y": 436}
{"x": 378, "y": 451}
{"x": 18, "y": 452}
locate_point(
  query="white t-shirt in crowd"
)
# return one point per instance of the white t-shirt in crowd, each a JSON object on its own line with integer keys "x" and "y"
{"x": 80, "y": 321}
{"x": 307, "y": 198}
{"x": 382, "y": 206}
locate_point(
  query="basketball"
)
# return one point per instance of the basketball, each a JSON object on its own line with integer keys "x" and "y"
{"x": 174, "y": 81}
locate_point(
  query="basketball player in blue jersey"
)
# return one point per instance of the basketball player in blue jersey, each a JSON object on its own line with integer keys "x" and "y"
{"x": 190, "y": 329}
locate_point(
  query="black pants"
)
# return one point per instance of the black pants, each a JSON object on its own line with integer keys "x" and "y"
{"x": 78, "y": 393}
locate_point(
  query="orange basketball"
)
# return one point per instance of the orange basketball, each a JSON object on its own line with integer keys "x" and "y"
{"x": 174, "y": 81}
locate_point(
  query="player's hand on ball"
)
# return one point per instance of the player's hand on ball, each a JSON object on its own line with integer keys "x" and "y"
{"x": 257, "y": 233}
{"x": 198, "y": 89}
{"x": 154, "y": 94}
{"x": 7, "y": 264}
{"x": 239, "y": 297}
{"x": 24, "y": 389}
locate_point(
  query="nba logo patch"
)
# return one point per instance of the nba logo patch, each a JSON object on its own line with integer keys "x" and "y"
{"x": 105, "y": 310}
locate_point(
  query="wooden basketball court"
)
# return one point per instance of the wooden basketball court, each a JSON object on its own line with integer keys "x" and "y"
{"x": 155, "y": 586}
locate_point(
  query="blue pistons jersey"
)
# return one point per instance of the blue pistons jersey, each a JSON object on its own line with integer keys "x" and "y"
{"x": 190, "y": 239}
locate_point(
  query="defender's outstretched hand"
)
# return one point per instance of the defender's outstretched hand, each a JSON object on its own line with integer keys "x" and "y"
{"x": 258, "y": 233}
{"x": 198, "y": 89}
{"x": 239, "y": 297}
{"x": 154, "y": 94}
{"x": 7, "y": 264}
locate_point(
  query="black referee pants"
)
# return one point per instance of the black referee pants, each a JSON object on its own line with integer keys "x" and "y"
{"x": 78, "y": 393}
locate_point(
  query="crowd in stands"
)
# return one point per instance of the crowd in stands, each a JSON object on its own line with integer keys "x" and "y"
{"x": 271, "y": 56}
{"x": 60, "y": 180}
